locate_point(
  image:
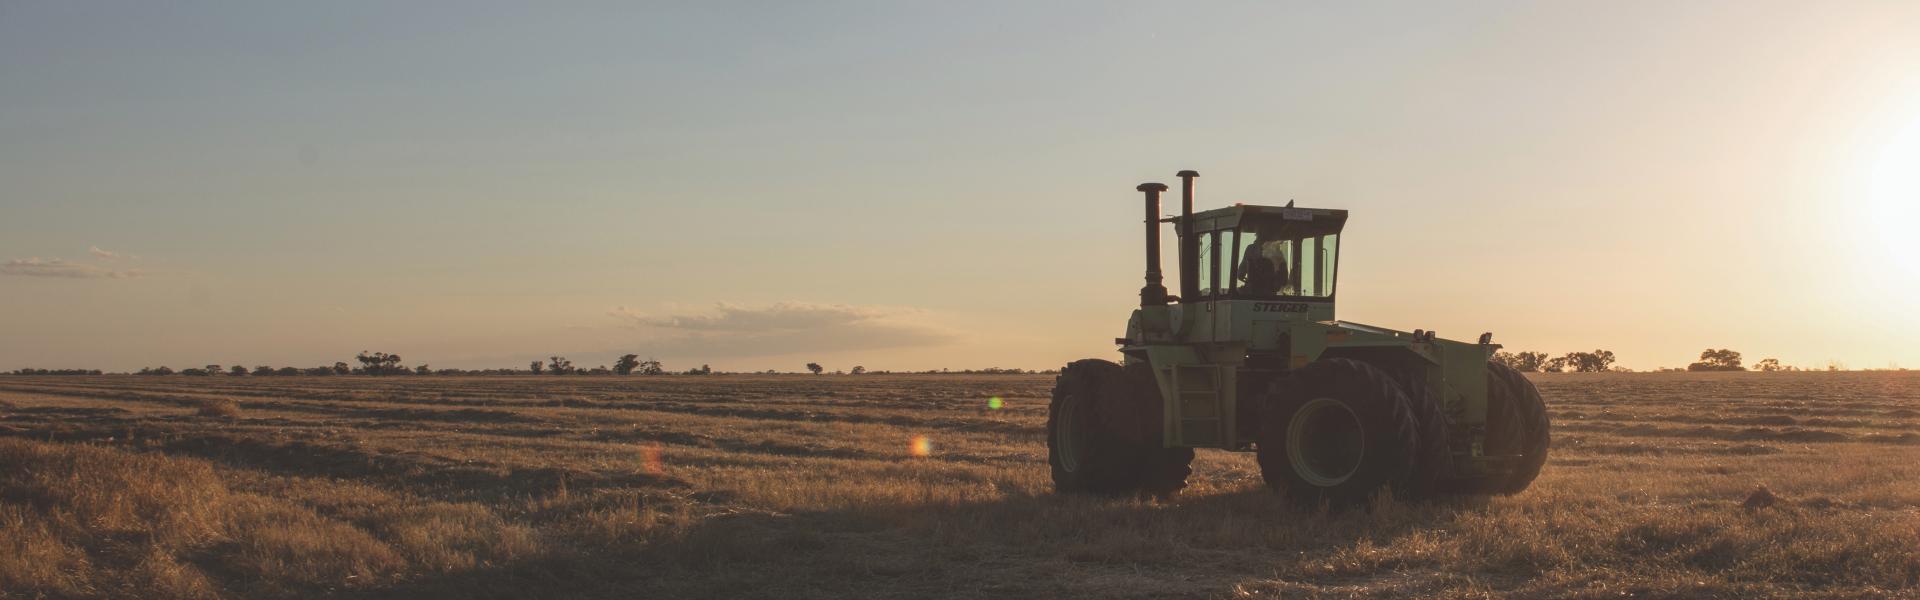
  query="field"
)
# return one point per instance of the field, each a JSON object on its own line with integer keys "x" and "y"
{"x": 905, "y": 486}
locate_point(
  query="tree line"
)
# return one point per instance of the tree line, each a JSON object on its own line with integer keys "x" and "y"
{"x": 1727, "y": 360}
{"x": 1711, "y": 359}
{"x": 628, "y": 364}
{"x": 56, "y": 372}
{"x": 1536, "y": 362}
{"x": 382, "y": 363}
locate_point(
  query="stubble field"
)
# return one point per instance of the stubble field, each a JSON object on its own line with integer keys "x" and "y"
{"x": 905, "y": 486}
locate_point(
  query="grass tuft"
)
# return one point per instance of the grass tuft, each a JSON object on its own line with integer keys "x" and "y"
{"x": 217, "y": 407}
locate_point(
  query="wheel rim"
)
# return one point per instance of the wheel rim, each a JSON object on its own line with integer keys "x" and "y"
{"x": 1066, "y": 434}
{"x": 1325, "y": 442}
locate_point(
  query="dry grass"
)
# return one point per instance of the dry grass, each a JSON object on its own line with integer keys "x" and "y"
{"x": 805, "y": 487}
{"x": 217, "y": 407}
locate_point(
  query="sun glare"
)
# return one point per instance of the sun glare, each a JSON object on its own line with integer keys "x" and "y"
{"x": 1894, "y": 205}
{"x": 921, "y": 446}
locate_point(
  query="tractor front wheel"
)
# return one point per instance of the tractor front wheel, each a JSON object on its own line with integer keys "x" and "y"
{"x": 1104, "y": 433}
{"x": 1337, "y": 432}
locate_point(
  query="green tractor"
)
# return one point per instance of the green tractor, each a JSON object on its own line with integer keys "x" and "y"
{"x": 1248, "y": 357}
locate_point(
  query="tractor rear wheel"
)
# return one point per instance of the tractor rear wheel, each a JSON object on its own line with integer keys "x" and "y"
{"x": 1516, "y": 424}
{"x": 1104, "y": 433}
{"x": 1337, "y": 432}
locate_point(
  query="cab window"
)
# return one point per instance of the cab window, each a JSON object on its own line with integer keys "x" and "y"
{"x": 1270, "y": 264}
{"x": 1209, "y": 246}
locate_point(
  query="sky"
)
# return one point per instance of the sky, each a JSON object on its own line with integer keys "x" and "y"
{"x": 907, "y": 185}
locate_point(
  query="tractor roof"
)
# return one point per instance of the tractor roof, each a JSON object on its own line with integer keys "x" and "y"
{"x": 1230, "y": 217}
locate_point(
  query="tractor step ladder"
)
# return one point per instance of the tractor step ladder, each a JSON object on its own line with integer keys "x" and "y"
{"x": 1197, "y": 405}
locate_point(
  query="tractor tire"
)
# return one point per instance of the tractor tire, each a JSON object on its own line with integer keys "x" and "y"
{"x": 1516, "y": 424}
{"x": 1104, "y": 433}
{"x": 1337, "y": 432}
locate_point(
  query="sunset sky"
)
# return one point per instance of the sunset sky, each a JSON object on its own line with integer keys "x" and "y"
{"x": 919, "y": 185}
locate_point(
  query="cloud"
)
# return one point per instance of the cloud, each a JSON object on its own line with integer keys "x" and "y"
{"x": 786, "y": 328}
{"x": 783, "y": 316}
{"x": 54, "y": 267}
{"x": 101, "y": 254}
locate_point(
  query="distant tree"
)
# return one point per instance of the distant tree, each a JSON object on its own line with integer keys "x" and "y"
{"x": 1768, "y": 364}
{"x": 1530, "y": 361}
{"x": 1556, "y": 364}
{"x": 194, "y": 372}
{"x": 1506, "y": 358}
{"x": 1717, "y": 360}
{"x": 287, "y": 371}
{"x": 859, "y": 370}
{"x": 816, "y": 368}
{"x": 422, "y": 370}
{"x": 559, "y": 365}
{"x": 341, "y": 368}
{"x": 536, "y": 367}
{"x": 317, "y": 371}
{"x": 1596, "y": 361}
{"x": 237, "y": 371}
{"x": 263, "y": 371}
{"x": 380, "y": 363}
{"x": 651, "y": 367}
{"x": 214, "y": 370}
{"x": 626, "y": 364}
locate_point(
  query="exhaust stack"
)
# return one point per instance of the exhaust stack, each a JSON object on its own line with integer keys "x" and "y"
{"x": 1189, "y": 245}
{"x": 1153, "y": 294}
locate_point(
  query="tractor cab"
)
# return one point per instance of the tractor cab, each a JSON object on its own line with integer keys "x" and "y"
{"x": 1246, "y": 275}
{"x": 1272, "y": 253}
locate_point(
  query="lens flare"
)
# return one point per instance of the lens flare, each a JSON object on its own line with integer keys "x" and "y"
{"x": 650, "y": 462}
{"x": 921, "y": 446}
{"x": 995, "y": 403}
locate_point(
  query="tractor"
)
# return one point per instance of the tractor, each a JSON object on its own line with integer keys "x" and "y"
{"x": 1248, "y": 357}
